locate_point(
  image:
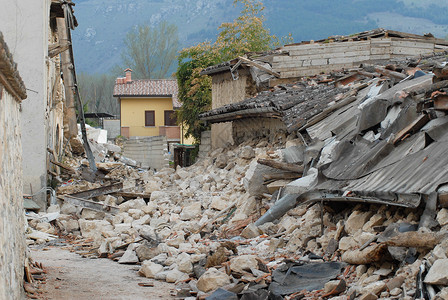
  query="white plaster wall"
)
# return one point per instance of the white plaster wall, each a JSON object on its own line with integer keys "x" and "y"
{"x": 25, "y": 24}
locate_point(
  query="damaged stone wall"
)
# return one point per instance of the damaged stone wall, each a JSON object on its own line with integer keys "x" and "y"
{"x": 314, "y": 58}
{"x": 12, "y": 242}
{"x": 249, "y": 128}
{"x": 151, "y": 152}
{"x": 226, "y": 91}
{"x": 55, "y": 102}
{"x": 25, "y": 26}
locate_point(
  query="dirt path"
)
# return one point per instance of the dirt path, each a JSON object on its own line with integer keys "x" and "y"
{"x": 69, "y": 276}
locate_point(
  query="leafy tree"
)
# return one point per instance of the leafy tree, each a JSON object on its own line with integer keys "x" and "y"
{"x": 150, "y": 52}
{"x": 245, "y": 34}
{"x": 96, "y": 92}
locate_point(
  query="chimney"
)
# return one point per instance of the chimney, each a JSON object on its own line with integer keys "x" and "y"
{"x": 128, "y": 75}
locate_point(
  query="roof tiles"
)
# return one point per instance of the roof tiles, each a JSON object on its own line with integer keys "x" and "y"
{"x": 149, "y": 88}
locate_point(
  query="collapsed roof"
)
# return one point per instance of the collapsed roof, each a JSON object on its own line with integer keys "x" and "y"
{"x": 380, "y": 132}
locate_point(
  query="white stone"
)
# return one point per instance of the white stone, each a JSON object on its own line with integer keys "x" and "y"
{"x": 438, "y": 273}
{"x": 212, "y": 279}
{"x": 247, "y": 152}
{"x": 123, "y": 227}
{"x": 136, "y": 213}
{"x": 89, "y": 214}
{"x": 253, "y": 180}
{"x": 93, "y": 228}
{"x": 303, "y": 184}
{"x": 218, "y": 203}
{"x": 53, "y": 208}
{"x": 129, "y": 256}
{"x": 150, "y": 208}
{"x": 250, "y": 231}
{"x": 243, "y": 263}
{"x": 442, "y": 217}
{"x": 70, "y": 225}
{"x": 191, "y": 211}
{"x": 175, "y": 275}
{"x": 356, "y": 221}
{"x": 150, "y": 269}
{"x": 184, "y": 263}
{"x": 152, "y": 186}
{"x": 68, "y": 209}
{"x": 375, "y": 288}
{"x": 158, "y": 196}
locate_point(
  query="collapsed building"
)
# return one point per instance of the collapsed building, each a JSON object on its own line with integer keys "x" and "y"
{"x": 334, "y": 187}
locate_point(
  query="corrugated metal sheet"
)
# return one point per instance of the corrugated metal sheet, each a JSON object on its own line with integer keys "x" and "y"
{"x": 421, "y": 172}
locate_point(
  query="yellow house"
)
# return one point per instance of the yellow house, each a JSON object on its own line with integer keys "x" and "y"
{"x": 147, "y": 107}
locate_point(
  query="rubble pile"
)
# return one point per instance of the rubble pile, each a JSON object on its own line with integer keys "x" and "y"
{"x": 352, "y": 205}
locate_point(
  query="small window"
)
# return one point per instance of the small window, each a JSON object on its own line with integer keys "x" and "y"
{"x": 170, "y": 118}
{"x": 149, "y": 118}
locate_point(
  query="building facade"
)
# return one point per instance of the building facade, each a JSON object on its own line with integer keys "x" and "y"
{"x": 147, "y": 108}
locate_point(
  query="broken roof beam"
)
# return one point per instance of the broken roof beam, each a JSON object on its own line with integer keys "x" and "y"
{"x": 104, "y": 190}
{"x": 281, "y": 165}
{"x": 96, "y": 206}
{"x": 319, "y": 117}
{"x": 429, "y": 89}
{"x": 256, "y": 65}
{"x": 390, "y": 73}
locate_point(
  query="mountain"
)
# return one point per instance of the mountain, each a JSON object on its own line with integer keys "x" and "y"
{"x": 103, "y": 24}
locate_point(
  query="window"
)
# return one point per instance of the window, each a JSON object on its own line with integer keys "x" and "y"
{"x": 170, "y": 118}
{"x": 149, "y": 118}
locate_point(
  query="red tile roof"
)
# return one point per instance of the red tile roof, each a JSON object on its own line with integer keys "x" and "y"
{"x": 148, "y": 87}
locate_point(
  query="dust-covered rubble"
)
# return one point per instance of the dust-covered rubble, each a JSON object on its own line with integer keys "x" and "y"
{"x": 197, "y": 227}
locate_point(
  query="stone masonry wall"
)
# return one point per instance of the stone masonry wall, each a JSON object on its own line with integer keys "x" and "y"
{"x": 12, "y": 221}
{"x": 249, "y": 128}
{"x": 151, "y": 152}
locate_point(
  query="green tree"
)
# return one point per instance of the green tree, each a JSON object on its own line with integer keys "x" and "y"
{"x": 245, "y": 34}
{"x": 150, "y": 52}
{"x": 96, "y": 91}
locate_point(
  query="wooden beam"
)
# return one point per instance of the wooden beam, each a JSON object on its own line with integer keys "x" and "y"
{"x": 390, "y": 73}
{"x": 56, "y": 49}
{"x": 281, "y": 165}
{"x": 99, "y": 191}
{"x": 256, "y": 65}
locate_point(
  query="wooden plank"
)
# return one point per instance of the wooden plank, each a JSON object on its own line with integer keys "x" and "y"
{"x": 310, "y": 71}
{"x": 380, "y": 50}
{"x": 416, "y": 125}
{"x": 380, "y": 56}
{"x": 412, "y": 44}
{"x": 99, "y": 191}
{"x": 96, "y": 206}
{"x": 345, "y": 60}
{"x": 390, "y": 73}
{"x": 258, "y": 66}
{"x": 281, "y": 165}
{"x": 276, "y": 81}
{"x": 380, "y": 41}
{"x": 329, "y": 45}
{"x": 67, "y": 168}
{"x": 324, "y": 49}
{"x": 342, "y": 53}
{"x": 409, "y": 51}
{"x": 125, "y": 194}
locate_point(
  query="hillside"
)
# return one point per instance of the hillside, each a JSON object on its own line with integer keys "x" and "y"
{"x": 103, "y": 23}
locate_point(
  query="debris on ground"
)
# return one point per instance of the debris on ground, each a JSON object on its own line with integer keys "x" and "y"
{"x": 350, "y": 203}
